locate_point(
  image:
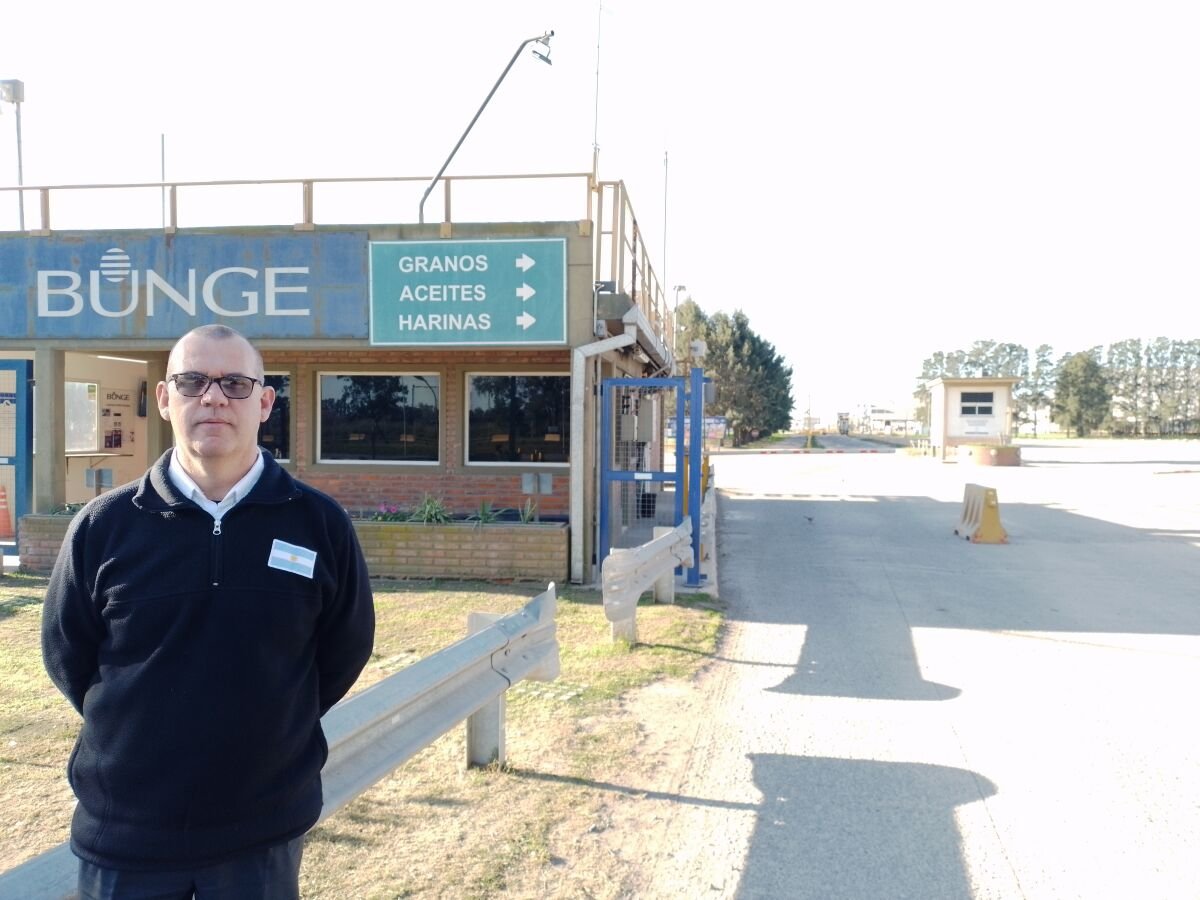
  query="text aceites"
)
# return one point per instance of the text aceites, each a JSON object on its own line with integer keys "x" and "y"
{"x": 443, "y": 293}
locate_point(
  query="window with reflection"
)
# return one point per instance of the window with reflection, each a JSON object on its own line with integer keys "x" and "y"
{"x": 518, "y": 418}
{"x": 977, "y": 403}
{"x": 275, "y": 433}
{"x": 378, "y": 418}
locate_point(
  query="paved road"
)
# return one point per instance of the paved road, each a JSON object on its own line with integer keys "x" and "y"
{"x": 898, "y": 713}
{"x": 798, "y": 443}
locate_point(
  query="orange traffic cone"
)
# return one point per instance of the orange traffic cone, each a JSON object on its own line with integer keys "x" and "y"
{"x": 6, "y": 529}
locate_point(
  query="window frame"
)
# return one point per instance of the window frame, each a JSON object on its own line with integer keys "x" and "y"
{"x": 373, "y": 373}
{"x": 466, "y": 418}
{"x": 977, "y": 403}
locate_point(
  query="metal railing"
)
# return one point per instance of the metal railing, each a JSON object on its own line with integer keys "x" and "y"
{"x": 306, "y": 205}
{"x": 377, "y": 730}
{"x": 621, "y": 252}
{"x": 626, "y": 574}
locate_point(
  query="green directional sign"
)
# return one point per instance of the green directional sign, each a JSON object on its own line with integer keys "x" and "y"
{"x": 469, "y": 292}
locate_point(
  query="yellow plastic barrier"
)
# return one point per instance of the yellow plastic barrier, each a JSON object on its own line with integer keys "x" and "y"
{"x": 980, "y": 522}
{"x": 705, "y": 480}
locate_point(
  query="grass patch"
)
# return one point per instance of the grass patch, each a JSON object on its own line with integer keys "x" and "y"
{"x": 431, "y": 829}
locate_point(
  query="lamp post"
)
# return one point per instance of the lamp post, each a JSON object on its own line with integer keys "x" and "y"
{"x": 13, "y": 91}
{"x": 544, "y": 40}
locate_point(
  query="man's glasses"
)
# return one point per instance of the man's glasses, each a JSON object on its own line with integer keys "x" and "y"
{"x": 195, "y": 384}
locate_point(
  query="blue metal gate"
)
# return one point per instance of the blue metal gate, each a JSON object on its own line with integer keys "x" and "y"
{"x": 637, "y": 489}
{"x": 16, "y": 445}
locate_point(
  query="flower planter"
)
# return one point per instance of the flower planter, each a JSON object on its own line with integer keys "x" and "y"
{"x": 524, "y": 552}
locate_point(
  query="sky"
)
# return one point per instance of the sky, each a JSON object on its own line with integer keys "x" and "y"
{"x": 869, "y": 182}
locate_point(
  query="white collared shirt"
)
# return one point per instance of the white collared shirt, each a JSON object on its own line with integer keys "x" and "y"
{"x": 217, "y": 510}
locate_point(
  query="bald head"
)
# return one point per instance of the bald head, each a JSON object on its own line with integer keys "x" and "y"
{"x": 216, "y": 333}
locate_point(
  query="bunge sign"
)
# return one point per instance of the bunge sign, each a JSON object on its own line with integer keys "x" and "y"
{"x": 469, "y": 292}
{"x": 149, "y": 285}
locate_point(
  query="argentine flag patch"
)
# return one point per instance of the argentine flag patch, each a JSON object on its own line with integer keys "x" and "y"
{"x": 291, "y": 558}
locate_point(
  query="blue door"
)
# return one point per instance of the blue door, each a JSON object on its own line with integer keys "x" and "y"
{"x": 16, "y": 445}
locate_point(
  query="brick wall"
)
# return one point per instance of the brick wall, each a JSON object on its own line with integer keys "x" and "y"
{"x": 40, "y": 538}
{"x": 460, "y": 487}
{"x": 394, "y": 549}
{"x": 494, "y": 551}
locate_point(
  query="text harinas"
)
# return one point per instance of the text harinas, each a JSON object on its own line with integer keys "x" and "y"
{"x": 443, "y": 293}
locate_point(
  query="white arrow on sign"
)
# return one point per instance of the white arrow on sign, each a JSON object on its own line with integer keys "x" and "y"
{"x": 525, "y": 292}
{"x": 525, "y": 320}
{"x": 524, "y": 263}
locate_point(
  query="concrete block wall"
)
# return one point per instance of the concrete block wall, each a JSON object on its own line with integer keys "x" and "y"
{"x": 519, "y": 552}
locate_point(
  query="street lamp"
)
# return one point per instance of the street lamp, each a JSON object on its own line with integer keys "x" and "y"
{"x": 13, "y": 91}
{"x": 544, "y": 40}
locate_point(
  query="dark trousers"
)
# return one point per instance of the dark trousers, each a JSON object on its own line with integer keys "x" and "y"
{"x": 271, "y": 874}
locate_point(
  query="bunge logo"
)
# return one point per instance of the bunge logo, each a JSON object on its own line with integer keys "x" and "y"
{"x": 59, "y": 293}
{"x": 114, "y": 265}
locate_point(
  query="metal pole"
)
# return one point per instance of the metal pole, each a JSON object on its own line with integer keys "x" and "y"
{"x": 696, "y": 453}
{"x": 544, "y": 38}
{"x": 20, "y": 172}
{"x": 666, "y": 175}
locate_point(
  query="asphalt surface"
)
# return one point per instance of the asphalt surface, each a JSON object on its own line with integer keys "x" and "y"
{"x": 898, "y": 713}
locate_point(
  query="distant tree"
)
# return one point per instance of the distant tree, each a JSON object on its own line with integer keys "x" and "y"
{"x": 753, "y": 385}
{"x": 980, "y": 360}
{"x": 1159, "y": 399}
{"x": 1012, "y": 361}
{"x": 1190, "y": 351}
{"x": 1039, "y": 386}
{"x": 1082, "y": 398}
{"x": 1126, "y": 373}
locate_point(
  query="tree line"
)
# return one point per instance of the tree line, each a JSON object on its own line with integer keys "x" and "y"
{"x": 1133, "y": 387}
{"x": 753, "y": 386}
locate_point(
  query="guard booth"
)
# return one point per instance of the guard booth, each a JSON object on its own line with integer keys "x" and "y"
{"x": 964, "y": 411}
{"x": 460, "y": 360}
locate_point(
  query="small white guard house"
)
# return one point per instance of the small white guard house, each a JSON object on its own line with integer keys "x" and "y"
{"x": 969, "y": 411}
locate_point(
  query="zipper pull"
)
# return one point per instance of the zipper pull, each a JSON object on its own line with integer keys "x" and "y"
{"x": 216, "y": 527}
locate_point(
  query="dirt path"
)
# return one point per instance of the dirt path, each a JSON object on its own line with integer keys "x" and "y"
{"x": 688, "y": 833}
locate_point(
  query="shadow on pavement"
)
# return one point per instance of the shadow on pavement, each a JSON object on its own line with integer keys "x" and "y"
{"x": 839, "y": 828}
{"x": 862, "y": 575}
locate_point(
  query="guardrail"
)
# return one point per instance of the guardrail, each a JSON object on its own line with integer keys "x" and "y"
{"x": 708, "y": 531}
{"x": 627, "y": 573}
{"x": 375, "y": 731}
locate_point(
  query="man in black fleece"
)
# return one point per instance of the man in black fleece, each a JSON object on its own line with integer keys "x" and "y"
{"x": 202, "y": 620}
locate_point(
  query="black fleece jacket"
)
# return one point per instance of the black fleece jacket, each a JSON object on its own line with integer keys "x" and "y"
{"x": 201, "y": 671}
